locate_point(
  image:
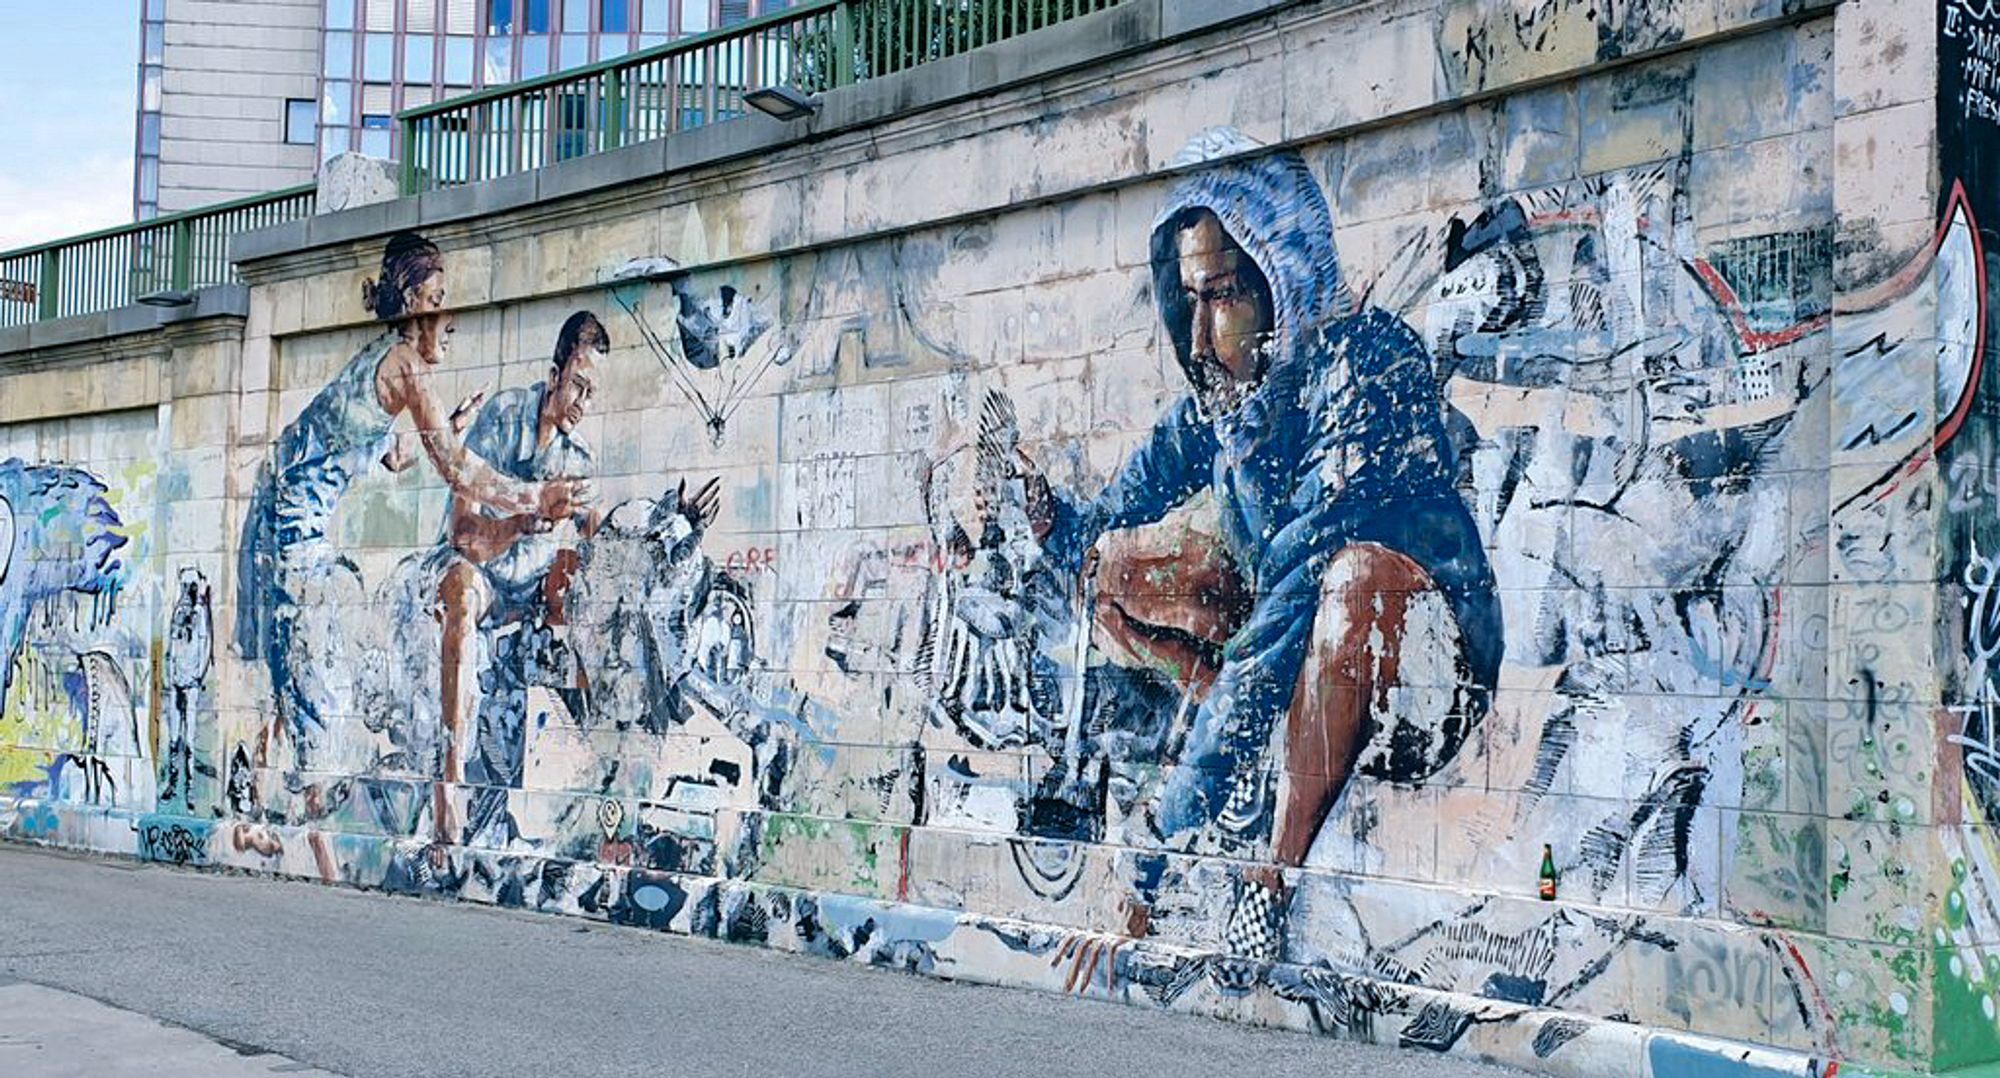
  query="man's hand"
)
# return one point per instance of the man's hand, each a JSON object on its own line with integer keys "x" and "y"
{"x": 701, "y": 509}
{"x": 560, "y": 499}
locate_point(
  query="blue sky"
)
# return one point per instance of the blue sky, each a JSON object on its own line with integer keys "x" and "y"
{"x": 68, "y": 94}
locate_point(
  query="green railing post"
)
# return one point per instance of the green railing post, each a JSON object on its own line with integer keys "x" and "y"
{"x": 48, "y": 291}
{"x": 526, "y": 124}
{"x": 181, "y": 277}
{"x": 843, "y": 44}
{"x": 614, "y": 109}
{"x": 114, "y": 266}
{"x": 409, "y": 160}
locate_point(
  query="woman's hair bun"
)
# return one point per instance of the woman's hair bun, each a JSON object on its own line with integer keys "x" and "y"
{"x": 407, "y": 261}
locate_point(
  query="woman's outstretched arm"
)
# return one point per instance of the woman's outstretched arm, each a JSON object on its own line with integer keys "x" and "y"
{"x": 468, "y": 476}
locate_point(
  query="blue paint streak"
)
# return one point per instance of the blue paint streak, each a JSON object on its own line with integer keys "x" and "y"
{"x": 1676, "y": 1059}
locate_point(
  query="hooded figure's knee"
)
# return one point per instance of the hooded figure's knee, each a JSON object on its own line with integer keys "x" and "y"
{"x": 1390, "y": 657}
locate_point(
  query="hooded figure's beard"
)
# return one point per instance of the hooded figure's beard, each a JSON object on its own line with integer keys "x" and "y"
{"x": 1219, "y": 394}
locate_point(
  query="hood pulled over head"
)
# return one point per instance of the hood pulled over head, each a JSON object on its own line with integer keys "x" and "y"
{"x": 1273, "y": 209}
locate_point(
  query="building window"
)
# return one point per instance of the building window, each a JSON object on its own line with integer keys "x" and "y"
{"x": 333, "y": 142}
{"x": 573, "y": 140}
{"x": 301, "y": 121}
{"x": 576, "y": 16}
{"x": 534, "y": 56}
{"x": 340, "y": 14}
{"x": 537, "y": 16}
{"x": 694, "y": 16}
{"x": 337, "y": 104}
{"x": 654, "y": 16}
{"x": 499, "y": 61}
{"x": 375, "y": 136}
{"x": 458, "y": 61}
{"x": 615, "y": 16}
{"x": 500, "y": 16}
{"x": 379, "y": 65}
{"x": 575, "y": 50}
{"x": 146, "y": 164}
{"x": 339, "y": 55}
{"x": 417, "y": 59}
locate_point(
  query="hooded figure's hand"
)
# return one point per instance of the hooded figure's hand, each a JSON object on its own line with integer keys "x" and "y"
{"x": 702, "y": 508}
{"x": 1041, "y": 502}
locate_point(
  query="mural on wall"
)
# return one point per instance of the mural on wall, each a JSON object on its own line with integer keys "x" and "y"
{"x": 1316, "y": 431}
{"x": 190, "y": 657}
{"x": 1389, "y": 545}
{"x": 73, "y": 722}
{"x": 535, "y": 611}
{"x": 1968, "y": 116}
{"x": 726, "y": 334}
{"x": 952, "y": 601}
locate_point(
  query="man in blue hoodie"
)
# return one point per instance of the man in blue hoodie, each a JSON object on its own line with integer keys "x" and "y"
{"x": 1319, "y": 430}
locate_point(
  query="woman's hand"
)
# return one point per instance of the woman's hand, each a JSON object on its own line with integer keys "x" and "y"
{"x": 402, "y": 453}
{"x": 462, "y": 416}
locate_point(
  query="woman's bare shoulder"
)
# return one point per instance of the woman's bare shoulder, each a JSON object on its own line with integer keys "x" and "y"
{"x": 395, "y": 372}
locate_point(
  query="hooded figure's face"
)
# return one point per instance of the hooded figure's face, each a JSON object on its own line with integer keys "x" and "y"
{"x": 1229, "y": 308}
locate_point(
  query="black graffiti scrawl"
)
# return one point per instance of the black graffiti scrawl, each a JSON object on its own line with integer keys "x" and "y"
{"x": 1968, "y": 134}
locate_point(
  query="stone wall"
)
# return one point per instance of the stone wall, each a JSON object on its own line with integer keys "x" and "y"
{"x": 1186, "y": 516}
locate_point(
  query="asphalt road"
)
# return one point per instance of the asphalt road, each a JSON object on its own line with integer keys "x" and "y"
{"x": 370, "y": 985}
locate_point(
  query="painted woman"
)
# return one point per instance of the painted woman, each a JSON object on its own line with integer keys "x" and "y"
{"x": 298, "y": 592}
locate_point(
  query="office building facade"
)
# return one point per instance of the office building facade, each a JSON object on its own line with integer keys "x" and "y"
{"x": 239, "y": 97}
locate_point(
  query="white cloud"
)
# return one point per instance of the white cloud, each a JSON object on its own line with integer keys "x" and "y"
{"x": 68, "y": 80}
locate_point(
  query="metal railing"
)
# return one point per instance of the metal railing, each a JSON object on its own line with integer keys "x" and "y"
{"x": 813, "y": 46}
{"x": 108, "y": 269}
{"x": 699, "y": 80}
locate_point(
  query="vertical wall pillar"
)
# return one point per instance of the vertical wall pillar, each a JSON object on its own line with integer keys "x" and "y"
{"x": 1962, "y": 50}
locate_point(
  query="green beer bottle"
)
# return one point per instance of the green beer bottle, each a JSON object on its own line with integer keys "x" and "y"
{"x": 1548, "y": 874}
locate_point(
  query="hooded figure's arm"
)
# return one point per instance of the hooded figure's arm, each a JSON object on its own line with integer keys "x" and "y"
{"x": 1377, "y": 424}
{"x": 1177, "y": 461}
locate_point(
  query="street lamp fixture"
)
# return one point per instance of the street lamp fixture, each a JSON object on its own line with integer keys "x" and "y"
{"x": 781, "y": 102}
{"x": 168, "y": 297}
